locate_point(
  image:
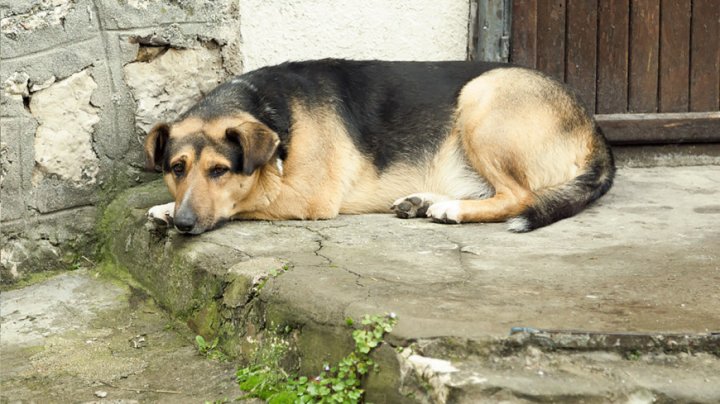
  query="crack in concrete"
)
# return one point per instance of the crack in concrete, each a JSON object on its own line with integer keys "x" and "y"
{"x": 320, "y": 246}
{"x": 460, "y": 258}
{"x": 313, "y": 231}
{"x": 229, "y": 245}
{"x": 331, "y": 263}
{"x": 322, "y": 238}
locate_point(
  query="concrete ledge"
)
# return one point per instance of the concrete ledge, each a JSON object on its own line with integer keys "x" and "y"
{"x": 644, "y": 260}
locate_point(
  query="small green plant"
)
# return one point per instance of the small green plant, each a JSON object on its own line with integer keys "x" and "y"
{"x": 273, "y": 273}
{"x": 210, "y": 350}
{"x": 278, "y": 271}
{"x": 340, "y": 383}
{"x": 633, "y": 355}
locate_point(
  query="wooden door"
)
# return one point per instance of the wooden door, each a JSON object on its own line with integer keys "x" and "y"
{"x": 649, "y": 69}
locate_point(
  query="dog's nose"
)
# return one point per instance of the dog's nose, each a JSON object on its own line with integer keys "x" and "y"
{"x": 185, "y": 221}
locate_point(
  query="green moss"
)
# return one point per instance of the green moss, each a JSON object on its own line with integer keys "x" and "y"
{"x": 230, "y": 341}
{"x": 185, "y": 276}
{"x": 206, "y": 321}
{"x": 30, "y": 279}
{"x": 237, "y": 291}
{"x": 117, "y": 200}
{"x": 385, "y": 380}
{"x": 118, "y": 275}
{"x": 111, "y": 198}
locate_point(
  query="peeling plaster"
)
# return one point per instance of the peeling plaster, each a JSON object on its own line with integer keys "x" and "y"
{"x": 170, "y": 83}
{"x": 16, "y": 86}
{"x": 44, "y": 14}
{"x": 63, "y": 141}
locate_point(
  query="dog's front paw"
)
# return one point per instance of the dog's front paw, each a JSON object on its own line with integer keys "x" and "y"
{"x": 445, "y": 212}
{"x": 162, "y": 215}
{"x": 415, "y": 205}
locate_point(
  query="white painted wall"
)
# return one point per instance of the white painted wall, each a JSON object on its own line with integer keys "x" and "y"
{"x": 274, "y": 31}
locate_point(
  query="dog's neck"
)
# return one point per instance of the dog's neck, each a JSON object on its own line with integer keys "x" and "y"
{"x": 267, "y": 186}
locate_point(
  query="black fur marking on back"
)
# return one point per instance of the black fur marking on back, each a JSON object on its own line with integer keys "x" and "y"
{"x": 392, "y": 110}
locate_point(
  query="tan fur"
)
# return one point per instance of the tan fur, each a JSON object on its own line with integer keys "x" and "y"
{"x": 322, "y": 167}
{"x": 522, "y": 133}
{"x": 215, "y": 129}
{"x": 186, "y": 127}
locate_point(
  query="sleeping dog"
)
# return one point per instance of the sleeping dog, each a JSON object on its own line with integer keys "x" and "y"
{"x": 455, "y": 142}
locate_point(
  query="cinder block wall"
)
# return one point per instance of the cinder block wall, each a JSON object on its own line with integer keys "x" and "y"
{"x": 83, "y": 81}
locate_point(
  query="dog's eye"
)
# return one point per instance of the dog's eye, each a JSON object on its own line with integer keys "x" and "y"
{"x": 178, "y": 168}
{"x": 218, "y": 171}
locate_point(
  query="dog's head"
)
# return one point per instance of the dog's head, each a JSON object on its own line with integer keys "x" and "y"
{"x": 214, "y": 169}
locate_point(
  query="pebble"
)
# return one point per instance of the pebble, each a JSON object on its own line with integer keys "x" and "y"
{"x": 101, "y": 394}
{"x": 138, "y": 341}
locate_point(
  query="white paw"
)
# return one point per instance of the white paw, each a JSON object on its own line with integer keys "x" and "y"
{"x": 415, "y": 205}
{"x": 445, "y": 212}
{"x": 162, "y": 214}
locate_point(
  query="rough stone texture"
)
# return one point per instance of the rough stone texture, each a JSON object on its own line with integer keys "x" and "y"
{"x": 69, "y": 133}
{"x": 668, "y": 155}
{"x": 63, "y": 141}
{"x": 17, "y": 164}
{"x": 48, "y": 242}
{"x": 30, "y": 27}
{"x": 644, "y": 259}
{"x": 279, "y": 30}
{"x": 46, "y": 13}
{"x": 166, "y": 86}
{"x": 16, "y": 86}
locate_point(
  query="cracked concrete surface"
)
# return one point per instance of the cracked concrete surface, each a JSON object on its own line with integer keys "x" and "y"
{"x": 645, "y": 259}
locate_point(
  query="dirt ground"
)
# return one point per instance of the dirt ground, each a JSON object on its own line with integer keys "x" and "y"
{"x": 80, "y": 337}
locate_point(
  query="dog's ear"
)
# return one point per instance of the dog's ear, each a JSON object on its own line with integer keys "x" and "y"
{"x": 259, "y": 144}
{"x": 155, "y": 144}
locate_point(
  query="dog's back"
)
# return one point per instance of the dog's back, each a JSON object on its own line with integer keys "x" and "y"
{"x": 390, "y": 109}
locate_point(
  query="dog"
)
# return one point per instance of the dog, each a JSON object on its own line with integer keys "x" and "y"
{"x": 455, "y": 142}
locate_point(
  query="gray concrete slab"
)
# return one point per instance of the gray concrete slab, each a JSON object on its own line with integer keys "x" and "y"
{"x": 74, "y": 336}
{"x": 645, "y": 258}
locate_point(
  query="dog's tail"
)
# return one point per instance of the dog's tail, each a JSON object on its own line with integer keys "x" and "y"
{"x": 565, "y": 200}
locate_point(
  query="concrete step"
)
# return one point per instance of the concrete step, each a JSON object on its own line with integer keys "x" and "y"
{"x": 80, "y": 337}
{"x": 645, "y": 259}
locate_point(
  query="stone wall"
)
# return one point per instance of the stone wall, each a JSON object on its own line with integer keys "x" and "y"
{"x": 83, "y": 81}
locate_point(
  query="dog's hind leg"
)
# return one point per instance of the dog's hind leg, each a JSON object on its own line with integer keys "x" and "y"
{"x": 534, "y": 144}
{"x": 510, "y": 200}
{"x": 499, "y": 208}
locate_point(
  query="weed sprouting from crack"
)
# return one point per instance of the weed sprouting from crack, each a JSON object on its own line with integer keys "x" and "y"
{"x": 339, "y": 383}
{"x": 210, "y": 349}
